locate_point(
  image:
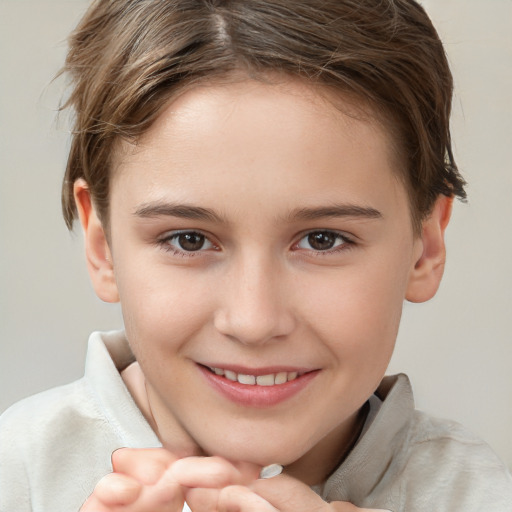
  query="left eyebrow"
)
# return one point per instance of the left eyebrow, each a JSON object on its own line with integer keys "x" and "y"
{"x": 335, "y": 211}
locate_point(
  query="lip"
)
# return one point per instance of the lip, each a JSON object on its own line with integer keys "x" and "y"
{"x": 254, "y": 395}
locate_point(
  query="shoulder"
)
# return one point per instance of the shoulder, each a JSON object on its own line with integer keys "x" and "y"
{"x": 456, "y": 469}
{"x": 446, "y": 440}
{"x": 433, "y": 463}
{"x": 56, "y": 445}
{"x": 73, "y": 406}
{"x": 47, "y": 414}
{"x": 62, "y": 427}
{"x": 46, "y": 435}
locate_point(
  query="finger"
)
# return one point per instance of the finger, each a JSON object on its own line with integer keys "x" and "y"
{"x": 94, "y": 505}
{"x": 167, "y": 489}
{"x": 145, "y": 465}
{"x": 204, "y": 500}
{"x": 117, "y": 490}
{"x": 213, "y": 472}
{"x": 342, "y": 506}
{"x": 238, "y": 498}
{"x": 165, "y": 496}
{"x": 289, "y": 494}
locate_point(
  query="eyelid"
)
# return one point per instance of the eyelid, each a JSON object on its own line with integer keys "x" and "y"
{"x": 174, "y": 232}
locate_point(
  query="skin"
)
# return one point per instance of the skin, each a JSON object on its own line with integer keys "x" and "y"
{"x": 153, "y": 480}
{"x": 271, "y": 163}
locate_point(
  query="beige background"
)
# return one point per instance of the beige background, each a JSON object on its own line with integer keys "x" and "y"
{"x": 457, "y": 348}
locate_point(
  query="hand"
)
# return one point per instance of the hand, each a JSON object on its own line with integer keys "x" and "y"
{"x": 286, "y": 494}
{"x": 155, "y": 481}
{"x": 144, "y": 480}
{"x": 140, "y": 483}
{"x": 214, "y": 484}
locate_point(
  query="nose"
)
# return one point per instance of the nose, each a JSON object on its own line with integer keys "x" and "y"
{"x": 254, "y": 303}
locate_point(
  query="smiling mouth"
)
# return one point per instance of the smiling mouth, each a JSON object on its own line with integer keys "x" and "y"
{"x": 270, "y": 379}
{"x": 260, "y": 388}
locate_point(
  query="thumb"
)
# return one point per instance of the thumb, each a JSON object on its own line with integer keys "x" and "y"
{"x": 286, "y": 493}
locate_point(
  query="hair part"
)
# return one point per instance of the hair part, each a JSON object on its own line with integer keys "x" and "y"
{"x": 129, "y": 58}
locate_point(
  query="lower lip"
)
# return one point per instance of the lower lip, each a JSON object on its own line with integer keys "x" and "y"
{"x": 257, "y": 396}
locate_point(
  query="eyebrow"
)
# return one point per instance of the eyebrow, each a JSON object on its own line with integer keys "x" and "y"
{"x": 184, "y": 211}
{"x": 335, "y": 211}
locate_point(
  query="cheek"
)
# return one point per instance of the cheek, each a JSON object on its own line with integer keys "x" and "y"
{"x": 161, "y": 304}
{"x": 357, "y": 314}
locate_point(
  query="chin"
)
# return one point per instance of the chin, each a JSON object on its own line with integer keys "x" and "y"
{"x": 260, "y": 453}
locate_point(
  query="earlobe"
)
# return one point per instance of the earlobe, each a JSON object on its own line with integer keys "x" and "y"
{"x": 425, "y": 276}
{"x": 97, "y": 251}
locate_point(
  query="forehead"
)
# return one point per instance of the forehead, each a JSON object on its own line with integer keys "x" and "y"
{"x": 258, "y": 99}
{"x": 285, "y": 138}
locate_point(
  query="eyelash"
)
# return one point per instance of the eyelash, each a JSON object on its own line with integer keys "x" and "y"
{"x": 346, "y": 243}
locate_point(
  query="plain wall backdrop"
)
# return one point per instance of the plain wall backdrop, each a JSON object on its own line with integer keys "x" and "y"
{"x": 457, "y": 349}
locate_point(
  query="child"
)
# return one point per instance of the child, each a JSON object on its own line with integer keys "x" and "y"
{"x": 261, "y": 185}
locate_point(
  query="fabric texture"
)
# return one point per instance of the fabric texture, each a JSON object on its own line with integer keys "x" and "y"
{"x": 55, "y": 446}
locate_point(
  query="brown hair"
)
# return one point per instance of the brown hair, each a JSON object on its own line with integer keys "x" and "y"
{"x": 128, "y": 58}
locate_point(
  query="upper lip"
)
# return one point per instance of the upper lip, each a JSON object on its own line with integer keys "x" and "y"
{"x": 262, "y": 370}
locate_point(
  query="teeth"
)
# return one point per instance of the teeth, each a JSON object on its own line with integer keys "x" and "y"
{"x": 261, "y": 380}
{"x": 265, "y": 380}
{"x": 230, "y": 375}
{"x": 281, "y": 378}
{"x": 246, "y": 379}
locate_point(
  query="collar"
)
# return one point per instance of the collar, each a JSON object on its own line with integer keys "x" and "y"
{"x": 108, "y": 354}
{"x": 366, "y": 465}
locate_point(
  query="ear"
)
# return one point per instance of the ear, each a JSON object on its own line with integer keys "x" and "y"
{"x": 426, "y": 275}
{"x": 97, "y": 251}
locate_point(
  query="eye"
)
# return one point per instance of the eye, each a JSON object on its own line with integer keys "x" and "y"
{"x": 322, "y": 241}
{"x": 188, "y": 241}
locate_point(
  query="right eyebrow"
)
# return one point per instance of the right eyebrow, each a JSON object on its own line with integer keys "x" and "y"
{"x": 184, "y": 211}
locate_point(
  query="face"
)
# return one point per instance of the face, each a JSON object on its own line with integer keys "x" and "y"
{"x": 262, "y": 249}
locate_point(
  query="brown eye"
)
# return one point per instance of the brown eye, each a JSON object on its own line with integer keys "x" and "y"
{"x": 322, "y": 241}
{"x": 189, "y": 241}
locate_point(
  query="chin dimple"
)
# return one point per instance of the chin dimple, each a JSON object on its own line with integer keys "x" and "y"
{"x": 270, "y": 379}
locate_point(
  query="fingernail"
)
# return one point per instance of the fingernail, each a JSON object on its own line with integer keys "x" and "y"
{"x": 270, "y": 471}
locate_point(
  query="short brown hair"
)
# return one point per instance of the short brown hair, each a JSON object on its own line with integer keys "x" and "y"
{"x": 128, "y": 58}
